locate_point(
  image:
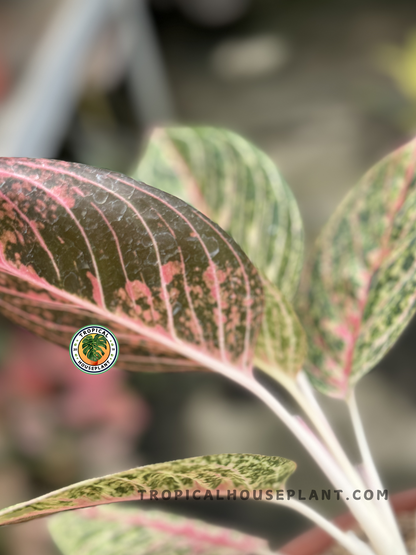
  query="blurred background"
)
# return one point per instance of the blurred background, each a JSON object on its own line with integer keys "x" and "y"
{"x": 325, "y": 88}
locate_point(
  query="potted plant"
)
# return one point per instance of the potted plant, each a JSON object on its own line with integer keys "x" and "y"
{"x": 202, "y": 273}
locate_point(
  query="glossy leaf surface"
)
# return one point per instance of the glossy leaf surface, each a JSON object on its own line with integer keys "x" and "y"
{"x": 82, "y": 246}
{"x": 237, "y": 186}
{"x": 362, "y": 287}
{"x": 281, "y": 345}
{"x": 211, "y": 472}
{"x": 110, "y": 530}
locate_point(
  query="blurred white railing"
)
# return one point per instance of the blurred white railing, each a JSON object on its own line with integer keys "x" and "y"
{"x": 35, "y": 116}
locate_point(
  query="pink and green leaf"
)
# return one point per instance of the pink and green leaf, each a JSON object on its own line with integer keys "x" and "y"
{"x": 237, "y": 186}
{"x": 82, "y": 246}
{"x": 109, "y": 530}
{"x": 217, "y": 473}
{"x": 361, "y": 291}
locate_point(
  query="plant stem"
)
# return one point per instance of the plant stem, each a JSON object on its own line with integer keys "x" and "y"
{"x": 319, "y": 420}
{"x": 373, "y": 478}
{"x": 382, "y": 541}
{"x": 303, "y": 394}
{"x": 347, "y": 539}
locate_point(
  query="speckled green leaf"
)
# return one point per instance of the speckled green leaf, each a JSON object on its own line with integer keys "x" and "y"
{"x": 361, "y": 291}
{"x": 238, "y": 187}
{"x": 211, "y": 472}
{"x": 111, "y": 530}
{"x": 82, "y": 246}
{"x": 281, "y": 345}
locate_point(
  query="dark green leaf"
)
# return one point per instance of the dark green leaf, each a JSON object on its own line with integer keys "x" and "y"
{"x": 82, "y": 246}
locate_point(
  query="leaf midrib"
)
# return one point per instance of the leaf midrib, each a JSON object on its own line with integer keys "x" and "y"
{"x": 178, "y": 346}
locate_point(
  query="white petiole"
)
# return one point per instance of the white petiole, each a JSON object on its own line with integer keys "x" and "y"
{"x": 347, "y": 539}
{"x": 370, "y": 469}
{"x": 313, "y": 410}
{"x": 302, "y": 392}
{"x": 383, "y": 542}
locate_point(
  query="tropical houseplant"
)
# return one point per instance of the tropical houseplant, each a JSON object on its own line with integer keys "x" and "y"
{"x": 82, "y": 246}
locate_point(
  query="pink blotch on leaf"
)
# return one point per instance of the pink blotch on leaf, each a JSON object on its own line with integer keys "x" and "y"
{"x": 147, "y": 316}
{"x": 214, "y": 277}
{"x": 8, "y": 237}
{"x": 344, "y": 332}
{"x": 8, "y": 208}
{"x": 137, "y": 290}
{"x": 170, "y": 270}
{"x": 64, "y": 193}
{"x": 40, "y": 206}
{"x": 209, "y": 279}
{"x": 24, "y": 271}
{"x": 234, "y": 318}
{"x": 96, "y": 292}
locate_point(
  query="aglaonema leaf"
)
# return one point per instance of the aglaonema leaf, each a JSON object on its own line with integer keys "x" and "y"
{"x": 361, "y": 291}
{"x": 238, "y": 187}
{"x": 281, "y": 345}
{"x": 109, "y": 530}
{"x": 216, "y": 473}
{"x": 82, "y": 246}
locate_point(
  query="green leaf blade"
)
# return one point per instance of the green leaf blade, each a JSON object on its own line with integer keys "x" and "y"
{"x": 281, "y": 345}
{"x": 211, "y": 472}
{"x": 107, "y": 530}
{"x": 238, "y": 187}
{"x": 361, "y": 291}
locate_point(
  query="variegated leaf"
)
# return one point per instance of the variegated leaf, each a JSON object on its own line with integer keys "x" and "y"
{"x": 82, "y": 246}
{"x": 110, "y": 530}
{"x": 281, "y": 345}
{"x": 238, "y": 187}
{"x": 361, "y": 291}
{"x": 211, "y": 472}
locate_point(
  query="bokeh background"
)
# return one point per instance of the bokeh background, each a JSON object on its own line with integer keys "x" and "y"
{"x": 326, "y": 88}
